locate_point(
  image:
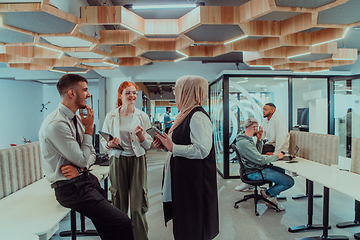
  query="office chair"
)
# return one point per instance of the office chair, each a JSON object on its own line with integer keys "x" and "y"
{"x": 256, "y": 196}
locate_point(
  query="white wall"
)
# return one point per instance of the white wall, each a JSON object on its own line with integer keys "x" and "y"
{"x": 20, "y": 111}
{"x": 111, "y": 92}
{"x": 51, "y": 94}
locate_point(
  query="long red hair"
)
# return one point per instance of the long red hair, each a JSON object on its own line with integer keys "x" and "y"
{"x": 122, "y": 86}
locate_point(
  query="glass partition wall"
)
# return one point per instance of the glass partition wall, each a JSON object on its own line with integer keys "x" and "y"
{"x": 346, "y": 113}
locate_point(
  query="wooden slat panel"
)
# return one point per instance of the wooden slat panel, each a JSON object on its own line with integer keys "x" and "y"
{"x": 296, "y": 24}
{"x": 292, "y": 66}
{"x": 112, "y": 37}
{"x": 130, "y": 62}
{"x": 254, "y": 9}
{"x": 217, "y": 15}
{"x": 297, "y": 39}
{"x": 6, "y": 58}
{"x": 161, "y": 27}
{"x": 53, "y": 62}
{"x": 346, "y": 54}
{"x": 125, "y": 51}
{"x": 268, "y": 61}
{"x": 25, "y": 7}
{"x": 244, "y": 45}
{"x": 249, "y": 56}
{"x": 182, "y": 43}
{"x": 28, "y": 66}
{"x": 31, "y": 52}
{"x": 130, "y": 19}
{"x": 263, "y": 28}
{"x": 156, "y": 44}
{"x": 269, "y": 43}
{"x": 61, "y": 14}
{"x": 326, "y": 35}
{"x": 99, "y": 15}
{"x": 189, "y": 20}
{"x": 330, "y": 47}
{"x": 332, "y": 63}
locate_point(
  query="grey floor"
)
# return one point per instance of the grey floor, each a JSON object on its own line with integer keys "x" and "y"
{"x": 242, "y": 223}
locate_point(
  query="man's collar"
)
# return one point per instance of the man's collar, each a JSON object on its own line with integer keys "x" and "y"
{"x": 66, "y": 110}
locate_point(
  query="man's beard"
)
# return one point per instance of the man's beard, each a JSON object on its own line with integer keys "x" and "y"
{"x": 267, "y": 115}
{"x": 255, "y": 133}
{"x": 78, "y": 102}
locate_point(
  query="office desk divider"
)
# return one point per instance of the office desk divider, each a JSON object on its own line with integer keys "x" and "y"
{"x": 355, "y": 168}
{"x": 321, "y": 148}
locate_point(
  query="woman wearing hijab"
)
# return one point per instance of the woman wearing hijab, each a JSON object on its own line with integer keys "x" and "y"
{"x": 190, "y": 190}
{"x": 128, "y": 171}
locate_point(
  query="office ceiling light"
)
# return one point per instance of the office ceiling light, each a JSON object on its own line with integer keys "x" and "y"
{"x": 48, "y": 48}
{"x": 182, "y": 53}
{"x": 131, "y": 29}
{"x": 298, "y": 55}
{"x": 236, "y": 39}
{"x": 177, "y": 60}
{"x": 304, "y": 79}
{"x": 346, "y": 31}
{"x": 112, "y": 64}
{"x": 258, "y": 85}
{"x": 326, "y": 42}
{"x": 284, "y": 78}
{"x": 167, "y": 6}
{"x": 324, "y": 70}
{"x": 243, "y": 81}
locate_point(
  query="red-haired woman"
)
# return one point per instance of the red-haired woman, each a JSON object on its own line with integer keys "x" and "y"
{"x": 128, "y": 172}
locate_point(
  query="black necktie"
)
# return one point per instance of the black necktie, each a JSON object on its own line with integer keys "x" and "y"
{"x": 77, "y": 133}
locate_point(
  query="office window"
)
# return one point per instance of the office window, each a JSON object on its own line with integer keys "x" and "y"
{"x": 247, "y": 97}
{"x": 310, "y": 111}
{"x": 347, "y": 113}
{"x": 216, "y": 115}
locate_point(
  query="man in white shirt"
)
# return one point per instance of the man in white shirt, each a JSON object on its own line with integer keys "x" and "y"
{"x": 275, "y": 131}
{"x": 275, "y": 134}
{"x": 66, "y": 145}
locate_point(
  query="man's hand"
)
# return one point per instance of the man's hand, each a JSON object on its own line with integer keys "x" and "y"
{"x": 88, "y": 120}
{"x": 69, "y": 171}
{"x": 269, "y": 153}
{"x": 280, "y": 155}
{"x": 260, "y": 133}
{"x": 139, "y": 133}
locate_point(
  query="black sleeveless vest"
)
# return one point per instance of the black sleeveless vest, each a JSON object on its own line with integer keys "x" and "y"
{"x": 194, "y": 207}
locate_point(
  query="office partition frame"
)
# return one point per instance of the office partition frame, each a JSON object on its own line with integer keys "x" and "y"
{"x": 225, "y": 91}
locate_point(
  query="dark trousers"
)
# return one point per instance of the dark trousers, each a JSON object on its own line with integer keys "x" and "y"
{"x": 87, "y": 197}
{"x": 167, "y": 130}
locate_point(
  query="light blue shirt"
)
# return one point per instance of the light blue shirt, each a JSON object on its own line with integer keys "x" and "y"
{"x": 167, "y": 119}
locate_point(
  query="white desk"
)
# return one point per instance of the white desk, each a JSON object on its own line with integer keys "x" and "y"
{"x": 17, "y": 236}
{"x": 32, "y": 209}
{"x": 331, "y": 178}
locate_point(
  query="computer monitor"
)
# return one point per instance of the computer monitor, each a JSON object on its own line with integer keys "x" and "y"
{"x": 303, "y": 116}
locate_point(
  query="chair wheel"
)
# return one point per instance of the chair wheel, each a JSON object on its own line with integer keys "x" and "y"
{"x": 277, "y": 210}
{"x": 236, "y": 206}
{"x": 256, "y": 213}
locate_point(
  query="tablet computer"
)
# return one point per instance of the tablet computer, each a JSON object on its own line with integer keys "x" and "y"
{"x": 151, "y": 131}
{"x": 106, "y": 136}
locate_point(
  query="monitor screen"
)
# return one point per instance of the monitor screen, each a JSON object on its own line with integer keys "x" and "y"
{"x": 303, "y": 116}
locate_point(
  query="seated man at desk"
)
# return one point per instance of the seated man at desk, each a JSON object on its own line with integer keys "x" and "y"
{"x": 250, "y": 154}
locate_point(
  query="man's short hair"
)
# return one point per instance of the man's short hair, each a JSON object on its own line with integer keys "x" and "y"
{"x": 271, "y": 105}
{"x": 250, "y": 121}
{"x": 167, "y": 108}
{"x": 68, "y": 81}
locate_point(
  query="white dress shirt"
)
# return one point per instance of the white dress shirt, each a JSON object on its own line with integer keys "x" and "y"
{"x": 57, "y": 137}
{"x": 112, "y": 125}
{"x": 276, "y": 132}
{"x": 201, "y": 137}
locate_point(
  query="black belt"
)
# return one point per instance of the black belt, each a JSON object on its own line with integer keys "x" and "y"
{"x": 65, "y": 182}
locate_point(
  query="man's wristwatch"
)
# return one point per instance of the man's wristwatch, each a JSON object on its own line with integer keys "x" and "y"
{"x": 79, "y": 169}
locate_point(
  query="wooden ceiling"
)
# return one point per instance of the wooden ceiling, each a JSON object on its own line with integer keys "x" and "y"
{"x": 299, "y": 43}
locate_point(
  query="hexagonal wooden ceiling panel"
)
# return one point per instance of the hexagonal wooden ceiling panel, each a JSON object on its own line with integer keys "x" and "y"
{"x": 276, "y": 34}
